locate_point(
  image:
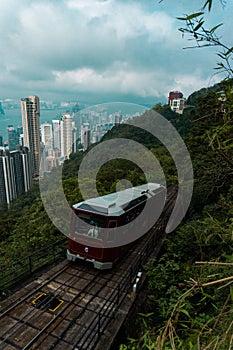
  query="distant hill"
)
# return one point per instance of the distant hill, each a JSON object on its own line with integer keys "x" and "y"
{"x": 192, "y": 99}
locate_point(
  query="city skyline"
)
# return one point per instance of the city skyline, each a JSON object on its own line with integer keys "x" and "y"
{"x": 50, "y": 143}
{"x": 100, "y": 51}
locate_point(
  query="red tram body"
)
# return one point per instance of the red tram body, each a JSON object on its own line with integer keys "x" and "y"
{"x": 96, "y": 220}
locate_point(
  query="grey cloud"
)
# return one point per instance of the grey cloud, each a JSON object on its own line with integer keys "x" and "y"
{"x": 129, "y": 41}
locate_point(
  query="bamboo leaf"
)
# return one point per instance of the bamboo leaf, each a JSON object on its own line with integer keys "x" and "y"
{"x": 194, "y": 15}
{"x": 185, "y": 312}
{"x": 181, "y": 18}
{"x": 198, "y": 26}
{"x": 184, "y": 325}
{"x": 215, "y": 27}
{"x": 209, "y": 3}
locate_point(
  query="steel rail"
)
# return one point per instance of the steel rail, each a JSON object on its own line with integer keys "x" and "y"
{"x": 46, "y": 327}
{"x": 32, "y": 311}
{"x": 33, "y": 291}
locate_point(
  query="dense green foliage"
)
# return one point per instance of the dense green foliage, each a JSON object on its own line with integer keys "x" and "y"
{"x": 190, "y": 293}
{"x": 25, "y": 227}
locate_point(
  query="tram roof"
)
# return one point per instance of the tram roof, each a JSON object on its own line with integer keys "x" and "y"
{"x": 115, "y": 204}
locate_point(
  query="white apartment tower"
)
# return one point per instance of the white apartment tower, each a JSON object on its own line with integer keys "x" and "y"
{"x": 47, "y": 135}
{"x": 15, "y": 173}
{"x": 30, "y": 107}
{"x": 27, "y": 168}
{"x": 66, "y": 135}
{"x": 7, "y": 179}
{"x": 57, "y": 134}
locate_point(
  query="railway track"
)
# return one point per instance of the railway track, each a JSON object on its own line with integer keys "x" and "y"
{"x": 70, "y": 306}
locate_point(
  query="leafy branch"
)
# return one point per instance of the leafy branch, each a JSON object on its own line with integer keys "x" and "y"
{"x": 195, "y": 28}
{"x": 169, "y": 334}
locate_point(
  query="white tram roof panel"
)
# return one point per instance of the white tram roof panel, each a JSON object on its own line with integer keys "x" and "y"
{"x": 114, "y": 203}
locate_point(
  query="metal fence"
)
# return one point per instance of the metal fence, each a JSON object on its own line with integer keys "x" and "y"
{"x": 16, "y": 271}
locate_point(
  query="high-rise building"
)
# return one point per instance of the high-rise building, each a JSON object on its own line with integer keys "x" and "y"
{"x": 56, "y": 134}
{"x": 46, "y": 135}
{"x": 15, "y": 174}
{"x": 30, "y": 107}
{"x": 27, "y": 168}
{"x": 13, "y": 138}
{"x": 7, "y": 177}
{"x": 74, "y": 138}
{"x": 66, "y": 135}
{"x": 20, "y": 135}
{"x": 85, "y": 135}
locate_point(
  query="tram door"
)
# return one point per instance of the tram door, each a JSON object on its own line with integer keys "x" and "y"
{"x": 111, "y": 233}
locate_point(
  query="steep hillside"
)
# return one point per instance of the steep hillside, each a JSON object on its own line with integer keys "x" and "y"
{"x": 188, "y": 303}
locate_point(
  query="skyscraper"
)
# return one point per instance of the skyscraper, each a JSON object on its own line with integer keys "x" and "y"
{"x": 47, "y": 136}
{"x": 7, "y": 178}
{"x": 15, "y": 173}
{"x": 13, "y": 138}
{"x": 30, "y": 107}
{"x": 57, "y": 134}
{"x": 85, "y": 135}
{"x": 66, "y": 135}
{"x": 27, "y": 168}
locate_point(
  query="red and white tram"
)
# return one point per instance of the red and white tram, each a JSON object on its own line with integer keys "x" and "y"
{"x": 104, "y": 228}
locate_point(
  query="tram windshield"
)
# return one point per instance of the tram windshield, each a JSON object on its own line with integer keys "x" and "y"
{"x": 97, "y": 223}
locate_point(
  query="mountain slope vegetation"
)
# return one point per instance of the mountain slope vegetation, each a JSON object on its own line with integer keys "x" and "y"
{"x": 189, "y": 289}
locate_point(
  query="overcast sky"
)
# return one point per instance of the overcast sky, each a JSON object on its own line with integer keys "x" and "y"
{"x": 96, "y": 50}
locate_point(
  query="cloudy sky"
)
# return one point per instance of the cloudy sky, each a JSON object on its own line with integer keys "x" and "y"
{"x": 102, "y": 50}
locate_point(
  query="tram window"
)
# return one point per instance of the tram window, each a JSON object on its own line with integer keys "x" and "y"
{"x": 111, "y": 233}
{"x": 98, "y": 223}
{"x": 112, "y": 224}
{"x": 80, "y": 225}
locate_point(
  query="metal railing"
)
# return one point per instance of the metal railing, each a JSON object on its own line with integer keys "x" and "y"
{"x": 16, "y": 271}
